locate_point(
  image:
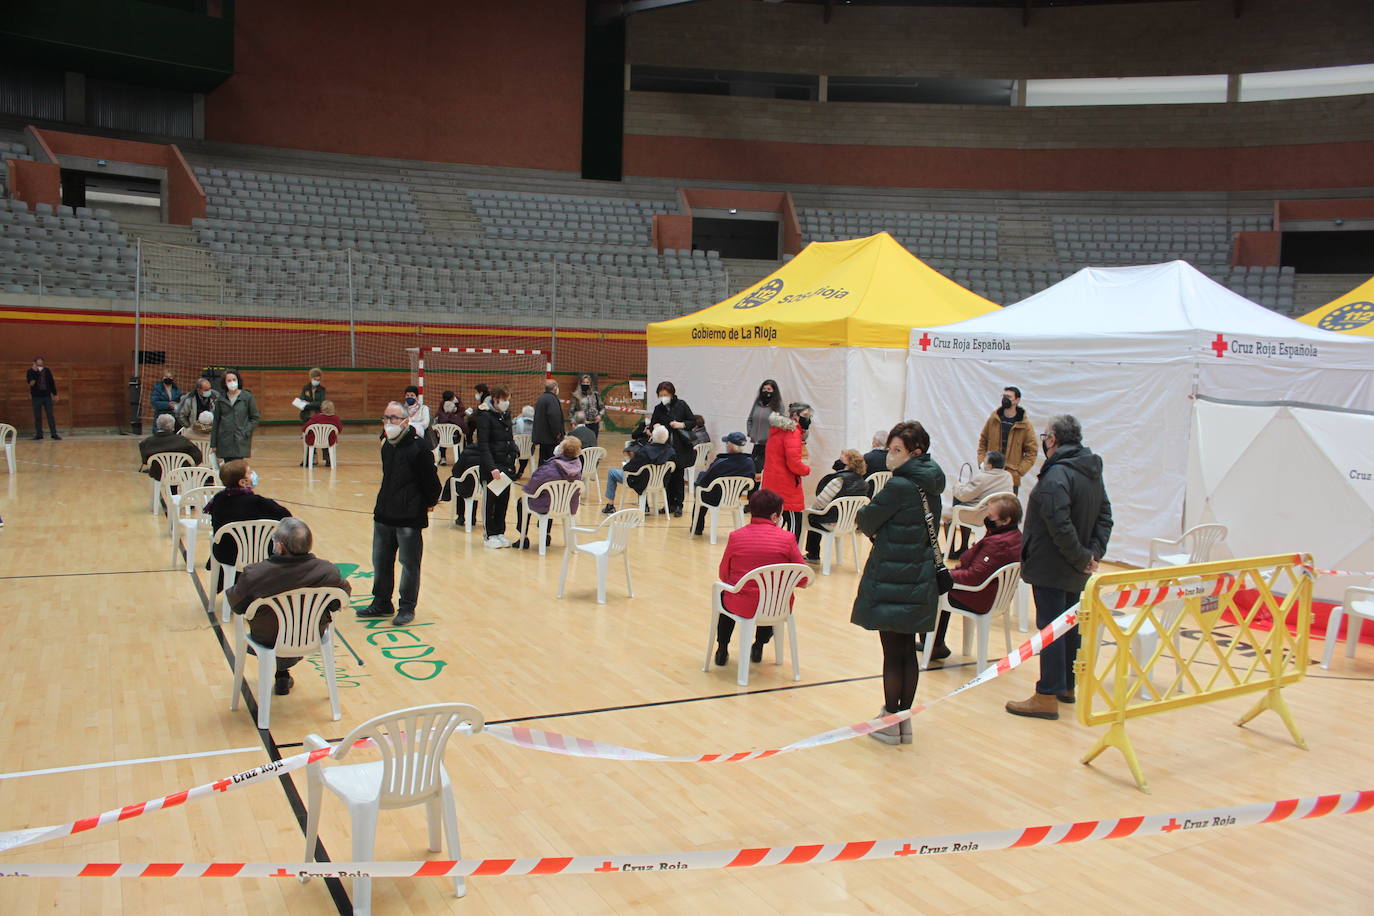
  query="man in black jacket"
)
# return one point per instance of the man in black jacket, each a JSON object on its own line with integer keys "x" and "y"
{"x": 733, "y": 462}
{"x": 1068, "y": 523}
{"x": 166, "y": 439}
{"x": 409, "y": 491}
{"x": 42, "y": 392}
{"x": 548, "y": 423}
{"x": 876, "y": 459}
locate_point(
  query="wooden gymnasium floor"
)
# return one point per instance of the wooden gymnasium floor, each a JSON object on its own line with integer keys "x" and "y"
{"x": 107, "y": 655}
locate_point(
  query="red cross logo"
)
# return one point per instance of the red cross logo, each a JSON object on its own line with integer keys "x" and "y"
{"x": 606, "y": 866}
{"x": 906, "y": 850}
{"x": 1171, "y": 826}
{"x": 282, "y": 873}
{"x": 222, "y": 786}
{"x": 1219, "y": 346}
{"x": 924, "y": 342}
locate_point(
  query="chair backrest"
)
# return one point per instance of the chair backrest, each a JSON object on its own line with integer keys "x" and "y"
{"x": 298, "y": 616}
{"x": 411, "y": 742}
{"x": 847, "y": 510}
{"x": 620, "y": 524}
{"x": 192, "y": 504}
{"x": 776, "y": 583}
{"x": 450, "y": 435}
{"x": 703, "y": 458}
{"x": 522, "y": 442}
{"x": 733, "y": 490}
{"x": 877, "y": 480}
{"x": 167, "y": 461}
{"x": 1203, "y": 538}
{"x": 252, "y": 538}
{"x": 971, "y": 517}
{"x": 592, "y": 457}
{"x": 475, "y": 474}
{"x": 187, "y": 478}
{"x": 1007, "y": 579}
{"x": 320, "y": 434}
{"x": 7, "y": 434}
{"x": 657, "y": 474}
{"x": 560, "y": 494}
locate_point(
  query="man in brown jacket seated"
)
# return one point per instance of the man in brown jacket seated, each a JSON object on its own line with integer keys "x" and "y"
{"x": 290, "y": 566}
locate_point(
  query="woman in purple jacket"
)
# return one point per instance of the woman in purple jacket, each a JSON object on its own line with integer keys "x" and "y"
{"x": 566, "y": 464}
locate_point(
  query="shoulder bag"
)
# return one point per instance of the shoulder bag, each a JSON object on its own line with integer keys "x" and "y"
{"x": 944, "y": 579}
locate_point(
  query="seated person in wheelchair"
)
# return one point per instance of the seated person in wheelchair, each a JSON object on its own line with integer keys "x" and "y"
{"x": 846, "y": 478}
{"x": 733, "y": 462}
{"x": 655, "y": 451}
{"x": 1001, "y": 544}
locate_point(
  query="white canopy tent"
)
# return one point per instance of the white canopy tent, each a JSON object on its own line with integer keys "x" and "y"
{"x": 1124, "y": 349}
{"x": 1286, "y": 477}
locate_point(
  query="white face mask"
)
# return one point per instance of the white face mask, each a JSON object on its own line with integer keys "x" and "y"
{"x": 503, "y": 406}
{"x": 393, "y": 430}
{"x": 232, "y": 386}
{"x": 665, "y": 401}
{"x": 894, "y": 461}
{"x": 314, "y": 382}
{"x": 450, "y": 406}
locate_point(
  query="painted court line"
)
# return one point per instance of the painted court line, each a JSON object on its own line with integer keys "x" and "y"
{"x": 119, "y": 763}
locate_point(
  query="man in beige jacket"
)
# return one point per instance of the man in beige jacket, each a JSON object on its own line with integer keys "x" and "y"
{"x": 1009, "y": 432}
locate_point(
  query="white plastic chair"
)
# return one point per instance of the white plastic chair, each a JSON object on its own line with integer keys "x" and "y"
{"x": 700, "y": 462}
{"x": 592, "y": 456}
{"x": 166, "y": 461}
{"x": 1357, "y": 607}
{"x": 654, "y": 491}
{"x": 190, "y": 477}
{"x": 616, "y": 542}
{"x": 469, "y": 508}
{"x": 320, "y": 432}
{"x": 848, "y": 508}
{"x": 253, "y": 538}
{"x": 298, "y": 634}
{"x": 733, "y": 494}
{"x": 7, "y": 436}
{"x": 970, "y": 518}
{"x": 776, "y": 583}
{"x": 1006, "y": 579}
{"x": 1198, "y": 542}
{"x": 190, "y": 519}
{"x": 411, "y": 772}
{"x": 449, "y": 435}
{"x": 524, "y": 444}
{"x": 560, "y": 493}
{"x": 876, "y": 481}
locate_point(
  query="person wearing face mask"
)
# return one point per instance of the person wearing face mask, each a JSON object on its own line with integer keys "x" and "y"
{"x": 1009, "y": 432}
{"x": 759, "y": 543}
{"x": 655, "y": 451}
{"x": 417, "y": 411}
{"x": 898, "y": 591}
{"x": 992, "y": 477}
{"x": 290, "y": 566}
{"x": 783, "y": 465}
{"x": 497, "y": 454}
{"x": 326, "y": 417}
{"x": 312, "y": 393}
{"x": 236, "y": 417}
{"x": 587, "y": 400}
{"x": 1000, "y": 545}
{"x": 1068, "y": 524}
{"x": 766, "y": 403}
{"x": 584, "y": 428}
{"x": 237, "y": 502}
{"x": 480, "y": 394}
{"x": 846, "y": 478}
{"x": 42, "y": 394}
{"x": 199, "y": 400}
{"x": 165, "y": 396}
{"x": 408, "y": 493}
{"x": 672, "y": 412}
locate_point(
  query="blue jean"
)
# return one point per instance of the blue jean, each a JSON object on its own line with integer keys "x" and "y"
{"x": 1056, "y": 659}
{"x": 387, "y": 542}
{"x": 614, "y": 478}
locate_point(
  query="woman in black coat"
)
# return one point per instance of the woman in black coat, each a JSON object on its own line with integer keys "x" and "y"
{"x": 673, "y": 413}
{"x": 496, "y": 446}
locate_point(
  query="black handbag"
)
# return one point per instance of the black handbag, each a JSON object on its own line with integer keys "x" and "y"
{"x": 944, "y": 579}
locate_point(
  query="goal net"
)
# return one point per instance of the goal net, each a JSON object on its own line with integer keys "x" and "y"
{"x": 435, "y": 370}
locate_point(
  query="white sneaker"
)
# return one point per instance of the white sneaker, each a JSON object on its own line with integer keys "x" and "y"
{"x": 505, "y": 541}
{"x": 493, "y": 542}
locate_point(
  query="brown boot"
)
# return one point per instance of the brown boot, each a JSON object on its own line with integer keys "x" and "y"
{"x": 1039, "y": 706}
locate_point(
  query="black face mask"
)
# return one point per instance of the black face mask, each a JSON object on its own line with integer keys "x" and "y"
{"x": 837, "y": 466}
{"x": 804, "y": 422}
{"x": 1006, "y": 402}
{"x": 765, "y": 397}
{"x": 988, "y": 522}
{"x": 586, "y": 387}
{"x": 167, "y": 381}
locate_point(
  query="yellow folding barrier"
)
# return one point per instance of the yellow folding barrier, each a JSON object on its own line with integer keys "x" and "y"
{"x": 1154, "y": 640}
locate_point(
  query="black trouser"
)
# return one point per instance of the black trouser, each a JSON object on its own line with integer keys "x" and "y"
{"x": 595, "y": 428}
{"x": 813, "y": 542}
{"x": 942, "y": 626}
{"x": 496, "y": 506}
{"x": 792, "y": 521}
{"x": 42, "y": 402}
{"x": 1057, "y": 658}
{"x": 534, "y": 523}
{"x": 759, "y": 449}
{"x": 387, "y": 542}
{"x": 543, "y": 451}
{"x": 673, "y": 485}
{"x": 725, "y": 628}
{"x": 707, "y": 499}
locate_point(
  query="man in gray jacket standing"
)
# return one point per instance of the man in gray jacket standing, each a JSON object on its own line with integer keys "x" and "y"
{"x": 548, "y": 423}
{"x": 1068, "y": 523}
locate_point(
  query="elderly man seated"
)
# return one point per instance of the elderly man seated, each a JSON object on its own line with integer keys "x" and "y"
{"x": 290, "y": 566}
{"x": 166, "y": 439}
{"x": 733, "y": 462}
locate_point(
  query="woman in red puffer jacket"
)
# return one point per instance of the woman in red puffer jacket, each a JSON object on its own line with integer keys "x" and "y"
{"x": 783, "y": 466}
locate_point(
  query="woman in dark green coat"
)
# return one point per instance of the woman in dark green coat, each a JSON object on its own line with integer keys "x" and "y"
{"x": 898, "y": 595}
{"x": 236, "y": 416}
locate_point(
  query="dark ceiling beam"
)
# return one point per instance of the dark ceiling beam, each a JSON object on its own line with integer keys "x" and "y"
{"x": 630, "y": 7}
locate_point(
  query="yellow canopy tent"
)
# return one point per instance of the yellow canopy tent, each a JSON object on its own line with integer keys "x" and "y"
{"x": 831, "y": 326}
{"x": 1352, "y": 313}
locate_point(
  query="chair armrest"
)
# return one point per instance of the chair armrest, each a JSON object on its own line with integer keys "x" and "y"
{"x": 1167, "y": 542}
{"x": 314, "y": 742}
{"x": 1353, "y": 591}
